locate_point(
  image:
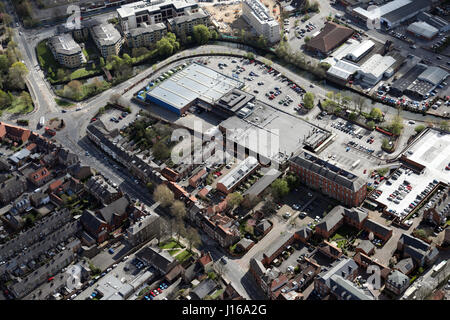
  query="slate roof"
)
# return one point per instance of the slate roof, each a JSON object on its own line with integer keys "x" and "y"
{"x": 263, "y": 225}
{"x": 366, "y": 246}
{"x": 356, "y": 214}
{"x": 411, "y": 241}
{"x": 321, "y": 167}
{"x": 245, "y": 243}
{"x": 346, "y": 290}
{"x": 117, "y": 207}
{"x": 186, "y": 18}
{"x": 161, "y": 260}
{"x": 405, "y": 265}
{"x": 377, "y": 228}
{"x": 89, "y": 219}
{"x": 203, "y": 289}
{"x": 305, "y": 232}
{"x": 331, "y": 219}
{"x": 330, "y": 37}
{"x": 342, "y": 267}
{"x": 147, "y": 29}
{"x": 397, "y": 279}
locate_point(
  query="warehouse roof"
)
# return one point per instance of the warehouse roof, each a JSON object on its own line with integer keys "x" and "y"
{"x": 360, "y": 49}
{"x": 434, "y": 75}
{"x": 343, "y": 69}
{"x": 377, "y": 65}
{"x": 195, "y": 81}
{"x": 408, "y": 9}
{"x": 423, "y": 29}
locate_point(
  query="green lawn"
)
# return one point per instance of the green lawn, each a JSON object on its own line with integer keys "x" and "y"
{"x": 173, "y": 251}
{"x": 216, "y": 294}
{"x": 83, "y": 72}
{"x": 343, "y": 232}
{"x": 63, "y": 103}
{"x": 183, "y": 256}
{"x": 19, "y": 106}
{"x": 45, "y": 57}
{"x": 171, "y": 244}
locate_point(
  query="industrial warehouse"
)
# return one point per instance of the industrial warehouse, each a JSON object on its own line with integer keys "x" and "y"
{"x": 195, "y": 84}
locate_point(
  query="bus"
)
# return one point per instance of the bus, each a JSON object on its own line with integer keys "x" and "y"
{"x": 356, "y": 163}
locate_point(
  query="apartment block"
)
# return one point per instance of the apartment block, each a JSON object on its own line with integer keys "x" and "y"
{"x": 258, "y": 16}
{"x": 146, "y": 35}
{"x": 66, "y": 51}
{"x": 331, "y": 180}
{"x": 132, "y": 15}
{"x": 107, "y": 39}
{"x": 185, "y": 24}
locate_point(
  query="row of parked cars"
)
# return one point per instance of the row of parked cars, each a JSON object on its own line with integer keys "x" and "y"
{"x": 152, "y": 294}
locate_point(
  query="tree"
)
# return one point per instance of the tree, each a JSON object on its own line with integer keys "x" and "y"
{"x": 26, "y": 98}
{"x": 102, "y": 62}
{"x": 269, "y": 208}
{"x": 307, "y": 38}
{"x": 193, "y": 238}
{"x": 279, "y": 188}
{"x": 4, "y": 63}
{"x": 163, "y": 195}
{"x": 160, "y": 151}
{"x": 16, "y": 75}
{"x": 6, "y": 18}
{"x": 164, "y": 230}
{"x": 443, "y": 125}
{"x": 352, "y": 116}
{"x": 419, "y": 128}
{"x": 376, "y": 114}
{"x": 76, "y": 88}
{"x": 5, "y": 99}
{"x": 397, "y": 125}
{"x": 136, "y": 52}
{"x": 234, "y": 199}
{"x": 201, "y": 34}
{"x": 371, "y": 124}
{"x": 178, "y": 209}
{"x": 60, "y": 74}
{"x": 250, "y": 201}
{"x": 385, "y": 144}
{"x": 292, "y": 181}
{"x": 180, "y": 229}
{"x": 167, "y": 45}
{"x": 308, "y": 100}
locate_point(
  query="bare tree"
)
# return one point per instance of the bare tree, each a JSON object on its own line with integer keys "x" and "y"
{"x": 178, "y": 209}
{"x": 193, "y": 237}
{"x": 163, "y": 195}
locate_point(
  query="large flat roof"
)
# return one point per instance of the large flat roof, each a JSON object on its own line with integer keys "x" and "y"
{"x": 195, "y": 81}
{"x": 131, "y": 9}
{"x": 278, "y": 134}
{"x": 432, "y": 151}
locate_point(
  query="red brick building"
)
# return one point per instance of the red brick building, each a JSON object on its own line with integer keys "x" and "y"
{"x": 329, "y": 179}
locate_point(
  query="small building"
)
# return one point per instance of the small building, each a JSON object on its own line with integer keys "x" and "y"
{"x": 260, "y": 19}
{"x": 365, "y": 247}
{"x": 206, "y": 287}
{"x": 380, "y": 231}
{"x": 375, "y": 68}
{"x": 237, "y": 175}
{"x": 330, "y": 223}
{"x": 303, "y": 234}
{"x": 405, "y": 266}
{"x": 397, "y": 282}
{"x": 40, "y": 177}
{"x": 196, "y": 179}
{"x": 331, "y": 36}
{"x": 422, "y": 30}
{"x": 263, "y": 228}
{"x": 244, "y": 245}
{"x": 361, "y": 50}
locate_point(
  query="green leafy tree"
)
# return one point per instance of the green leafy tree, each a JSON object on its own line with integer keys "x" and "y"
{"x": 201, "y": 34}
{"x": 102, "y": 62}
{"x": 5, "y": 99}
{"x": 234, "y": 199}
{"x": 4, "y": 63}
{"x": 308, "y": 100}
{"x": 352, "y": 116}
{"x": 376, "y": 114}
{"x": 279, "y": 188}
{"x": 397, "y": 125}
{"x": 443, "y": 125}
{"x": 163, "y": 195}
{"x": 371, "y": 124}
{"x": 419, "y": 128}
{"x": 16, "y": 75}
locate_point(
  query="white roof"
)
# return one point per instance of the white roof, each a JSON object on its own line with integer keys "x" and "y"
{"x": 377, "y": 65}
{"x": 235, "y": 175}
{"x": 343, "y": 69}
{"x": 378, "y": 12}
{"x": 423, "y": 29}
{"x": 361, "y": 48}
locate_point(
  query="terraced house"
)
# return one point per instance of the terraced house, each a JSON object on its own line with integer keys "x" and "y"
{"x": 66, "y": 51}
{"x": 146, "y": 35}
{"x": 107, "y": 39}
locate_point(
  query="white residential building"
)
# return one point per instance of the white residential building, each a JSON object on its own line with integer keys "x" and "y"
{"x": 258, "y": 16}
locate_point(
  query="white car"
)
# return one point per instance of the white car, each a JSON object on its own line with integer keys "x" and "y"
{"x": 287, "y": 215}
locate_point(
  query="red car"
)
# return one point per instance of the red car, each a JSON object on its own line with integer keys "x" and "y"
{"x": 50, "y": 279}
{"x": 93, "y": 119}
{"x": 152, "y": 293}
{"x": 159, "y": 290}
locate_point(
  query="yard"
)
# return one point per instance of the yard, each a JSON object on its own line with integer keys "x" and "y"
{"x": 171, "y": 244}
{"x": 343, "y": 235}
{"x": 183, "y": 256}
{"x": 21, "y": 104}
